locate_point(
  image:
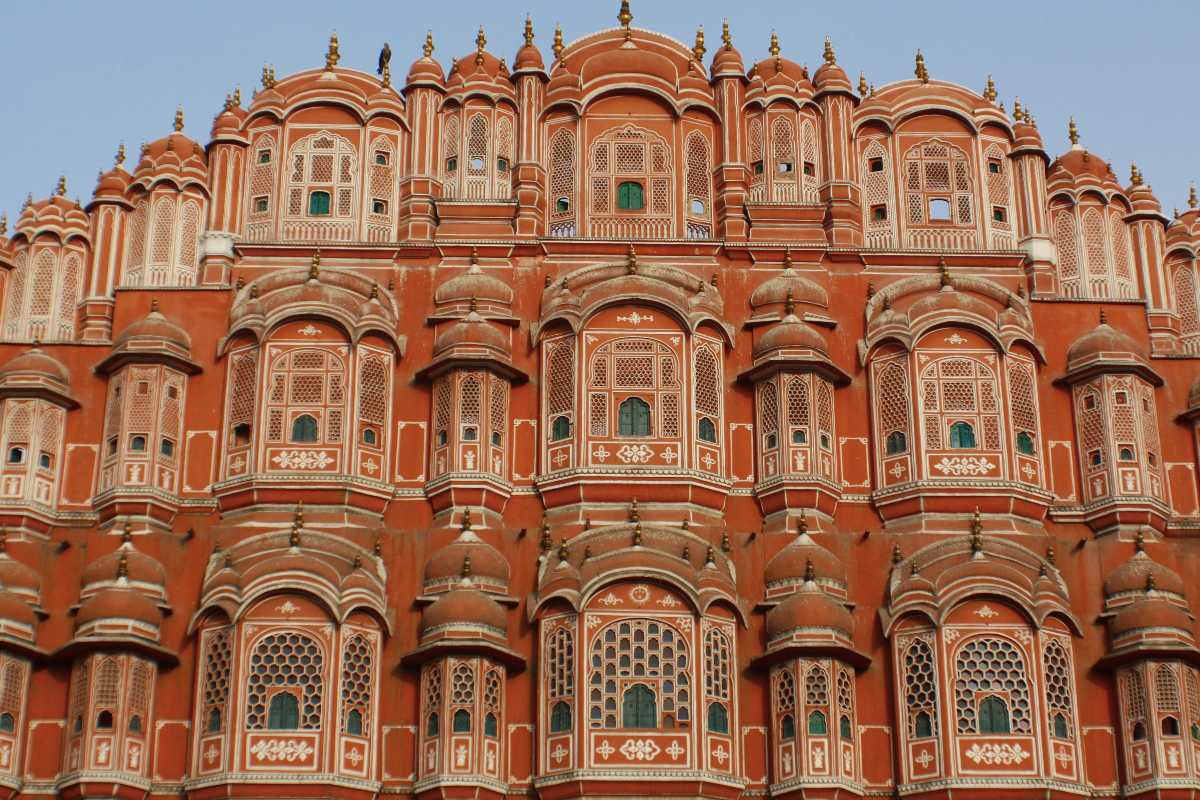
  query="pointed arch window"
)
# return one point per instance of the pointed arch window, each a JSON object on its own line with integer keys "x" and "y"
{"x": 462, "y": 721}
{"x": 283, "y": 714}
{"x": 560, "y": 717}
{"x": 639, "y": 709}
{"x": 962, "y": 436}
{"x": 718, "y": 718}
{"x": 993, "y": 716}
{"x": 631, "y": 196}
{"x": 817, "y": 724}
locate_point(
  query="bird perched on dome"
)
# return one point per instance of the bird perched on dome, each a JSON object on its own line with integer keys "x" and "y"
{"x": 385, "y": 58}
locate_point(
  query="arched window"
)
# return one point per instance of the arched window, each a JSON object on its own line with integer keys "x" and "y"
{"x": 962, "y": 436}
{"x": 7, "y": 723}
{"x": 322, "y": 187}
{"x": 631, "y": 196}
{"x": 706, "y": 431}
{"x": 817, "y": 725}
{"x": 462, "y": 721}
{"x": 639, "y": 709}
{"x": 304, "y": 429}
{"x": 787, "y": 727}
{"x": 920, "y": 689}
{"x": 284, "y": 712}
{"x": 431, "y": 724}
{"x": 562, "y": 183}
{"x": 1139, "y": 732}
{"x": 993, "y": 716}
{"x": 354, "y": 722}
{"x": 104, "y": 721}
{"x": 896, "y": 443}
{"x": 489, "y": 725}
{"x": 214, "y": 721}
{"x": 718, "y": 718}
{"x": 634, "y": 417}
{"x": 844, "y": 728}
{"x": 1059, "y": 696}
{"x": 1059, "y": 729}
{"x": 318, "y": 204}
{"x": 1025, "y": 444}
{"x": 135, "y": 724}
{"x": 937, "y": 184}
{"x": 560, "y": 717}
{"x": 560, "y": 429}
{"x": 1170, "y": 726}
{"x": 643, "y": 652}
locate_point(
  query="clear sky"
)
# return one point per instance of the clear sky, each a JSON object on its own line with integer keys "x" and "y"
{"x": 82, "y": 76}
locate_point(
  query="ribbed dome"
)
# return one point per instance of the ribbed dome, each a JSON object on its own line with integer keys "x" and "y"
{"x": 727, "y": 61}
{"x": 486, "y": 563}
{"x": 1104, "y": 341}
{"x": 426, "y": 70}
{"x": 808, "y": 608}
{"x": 465, "y": 606}
{"x": 791, "y": 563}
{"x": 14, "y": 609}
{"x": 154, "y": 327}
{"x": 113, "y": 183}
{"x": 789, "y": 333}
{"x": 118, "y": 604}
{"x": 1154, "y": 612}
{"x": 1134, "y": 574}
{"x": 473, "y": 285}
{"x": 19, "y": 577}
{"x": 36, "y": 362}
{"x": 1079, "y": 162}
{"x": 777, "y": 289}
{"x": 138, "y": 567}
{"x": 471, "y": 331}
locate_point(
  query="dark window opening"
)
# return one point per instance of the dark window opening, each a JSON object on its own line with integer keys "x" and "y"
{"x": 1025, "y": 443}
{"x": 560, "y": 429}
{"x": 470, "y": 433}
{"x": 318, "y": 204}
{"x": 999, "y": 214}
{"x": 431, "y": 725}
{"x": 560, "y": 717}
{"x": 304, "y": 429}
{"x": 639, "y": 709}
{"x": 135, "y": 724}
{"x": 379, "y": 206}
{"x": 214, "y": 721}
{"x": 787, "y": 727}
{"x": 706, "y": 430}
{"x": 490, "y": 725}
{"x": 897, "y": 442}
{"x": 241, "y": 434}
{"x": 962, "y": 436}
{"x": 16, "y": 455}
{"x": 137, "y": 443}
{"x": 879, "y": 213}
{"x": 844, "y": 729}
{"x": 633, "y": 417}
{"x": 261, "y": 205}
{"x": 718, "y": 718}
{"x": 993, "y": 716}
{"x": 167, "y": 448}
{"x": 381, "y": 158}
{"x": 631, "y": 196}
{"x": 462, "y": 721}
{"x": 562, "y": 205}
{"x": 875, "y": 165}
{"x": 923, "y": 726}
{"x": 104, "y": 721}
{"x": 369, "y": 436}
{"x": 816, "y": 724}
{"x": 354, "y": 722}
{"x": 283, "y": 714}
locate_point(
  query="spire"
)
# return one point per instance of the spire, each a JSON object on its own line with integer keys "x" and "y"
{"x": 1192, "y": 200}
{"x": 774, "y": 47}
{"x": 710, "y": 556}
{"x": 465, "y": 526}
{"x": 465, "y": 572}
{"x": 802, "y": 524}
{"x": 237, "y": 97}
{"x": 976, "y": 533}
{"x": 120, "y": 159}
{"x": 897, "y": 556}
{"x": 558, "y": 42}
{"x": 528, "y": 31}
{"x": 332, "y": 55}
{"x": 268, "y": 76}
{"x": 1135, "y": 176}
{"x": 1073, "y": 132}
{"x": 789, "y": 305}
{"x": 726, "y": 37}
{"x": 314, "y": 267}
{"x": 127, "y": 534}
{"x": 1103, "y": 317}
{"x": 631, "y": 262}
{"x": 698, "y": 49}
{"x": 828, "y": 55}
{"x": 725, "y": 545}
{"x": 1139, "y": 542}
{"x": 787, "y": 258}
{"x": 637, "y": 534}
{"x": 3, "y": 224}
{"x": 427, "y": 48}
{"x": 1151, "y": 583}
{"x": 544, "y": 542}
{"x": 624, "y": 17}
{"x": 1017, "y": 114}
{"x": 123, "y": 567}
{"x": 61, "y": 189}
{"x": 863, "y": 88}
{"x": 810, "y": 572}
{"x": 921, "y": 72}
{"x": 178, "y": 119}
{"x": 563, "y": 552}
{"x": 989, "y": 91}
{"x": 480, "y": 45}
{"x": 634, "y": 515}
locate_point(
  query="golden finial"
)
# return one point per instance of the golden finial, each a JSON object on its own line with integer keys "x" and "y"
{"x": 294, "y": 537}
{"x": 544, "y": 543}
{"x": 802, "y": 524}
{"x": 153, "y": 305}
{"x": 465, "y": 572}
{"x": 473, "y": 304}
{"x": 976, "y": 532}
{"x": 1135, "y": 177}
{"x": 61, "y": 188}
{"x": 625, "y": 16}
{"x": 332, "y": 55}
{"x": 789, "y": 305}
{"x": 386, "y": 80}
{"x": 921, "y": 72}
{"x": 377, "y": 547}
{"x": 897, "y": 556}
{"x": 29, "y": 201}
{"x": 871, "y": 93}
{"x": 587, "y": 522}
{"x": 828, "y": 55}
{"x": 726, "y": 37}
{"x": 253, "y": 290}
{"x": 637, "y": 534}
{"x": 123, "y": 566}
{"x": 239, "y": 283}
{"x": 237, "y": 97}
{"x": 178, "y": 119}
{"x": 774, "y": 47}
{"x": 685, "y": 524}
{"x": 127, "y": 533}
{"x": 266, "y": 77}
{"x": 686, "y": 553}
{"x": 474, "y": 258}
{"x": 3, "y": 224}
{"x": 915, "y": 568}
{"x": 466, "y": 521}
{"x": 725, "y": 545}
{"x": 634, "y": 514}
{"x": 120, "y": 159}
{"x": 298, "y": 518}
{"x": 1017, "y": 114}
{"x": 862, "y": 85}
{"x": 1139, "y": 542}
{"x": 1151, "y": 583}
{"x": 787, "y": 258}
{"x": 989, "y": 91}
{"x": 427, "y": 48}
{"x": 3, "y": 540}
{"x": 528, "y": 31}
{"x": 480, "y": 45}
{"x": 631, "y": 262}
{"x": 810, "y": 572}
{"x": 887, "y": 302}
{"x": 558, "y": 42}
{"x": 710, "y": 556}
{"x": 698, "y": 49}
{"x": 1192, "y": 200}
{"x": 1051, "y": 556}
{"x": 314, "y": 267}
{"x": 563, "y": 552}
{"x": 1073, "y": 132}
{"x": 1103, "y": 317}
{"x": 943, "y": 273}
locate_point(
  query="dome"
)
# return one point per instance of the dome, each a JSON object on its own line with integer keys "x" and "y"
{"x": 35, "y": 363}
{"x": 808, "y": 608}
{"x": 487, "y": 566}
{"x": 789, "y": 333}
{"x": 466, "y": 606}
{"x": 175, "y": 155}
{"x": 112, "y": 184}
{"x": 830, "y": 77}
{"x": 776, "y": 290}
{"x": 18, "y": 577}
{"x": 528, "y": 57}
{"x": 473, "y": 284}
{"x": 1105, "y": 348}
{"x": 1151, "y": 613}
{"x": 727, "y": 60}
{"x": 151, "y": 329}
{"x": 790, "y": 564}
{"x": 15, "y": 610}
{"x": 118, "y": 604}
{"x": 426, "y": 71}
{"x": 58, "y": 214}
{"x": 1025, "y": 134}
{"x": 1079, "y": 163}
{"x": 472, "y": 331}
{"x": 1139, "y": 571}
{"x": 128, "y": 562}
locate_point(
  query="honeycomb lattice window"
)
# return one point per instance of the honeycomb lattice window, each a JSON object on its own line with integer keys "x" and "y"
{"x": 42, "y": 293}
{"x": 15, "y": 675}
{"x": 892, "y": 404}
{"x": 358, "y": 675}
{"x": 563, "y": 191}
{"x": 431, "y": 699}
{"x": 1166, "y": 688}
{"x": 956, "y": 390}
{"x": 560, "y": 664}
{"x": 785, "y": 691}
{"x": 717, "y": 664}
{"x": 991, "y": 667}
{"x": 286, "y": 661}
{"x": 1133, "y": 696}
{"x": 1182, "y": 269}
{"x": 326, "y": 163}
{"x": 845, "y": 692}
{"x": 816, "y": 687}
{"x": 920, "y": 689}
{"x": 218, "y": 650}
{"x": 648, "y": 652}
{"x": 1059, "y": 697}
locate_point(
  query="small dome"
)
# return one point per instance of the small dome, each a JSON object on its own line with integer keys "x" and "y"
{"x": 426, "y": 71}
{"x": 113, "y": 183}
{"x": 487, "y": 566}
{"x": 473, "y": 284}
{"x": 808, "y": 608}
{"x": 790, "y": 564}
{"x": 465, "y": 606}
{"x": 727, "y": 60}
{"x": 64, "y": 217}
{"x": 18, "y": 577}
{"x": 830, "y": 76}
{"x": 16, "y": 610}
{"x": 138, "y": 568}
{"x": 776, "y": 290}
{"x": 789, "y": 333}
{"x": 35, "y": 363}
{"x": 1078, "y": 162}
{"x": 529, "y": 57}
{"x": 1104, "y": 343}
{"x": 471, "y": 331}
{"x": 154, "y": 327}
{"x": 1027, "y": 135}
{"x": 1134, "y": 574}
{"x": 1153, "y": 613}
{"x": 118, "y": 604}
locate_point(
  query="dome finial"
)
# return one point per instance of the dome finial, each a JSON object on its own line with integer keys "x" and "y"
{"x": 773, "y": 49}
{"x": 976, "y": 533}
{"x": 427, "y": 48}
{"x": 828, "y": 55}
{"x": 802, "y": 523}
{"x": 1192, "y": 200}
{"x": 558, "y": 42}
{"x": 3, "y": 540}
{"x": 61, "y": 189}
{"x": 120, "y": 159}
{"x": 631, "y": 262}
{"x": 1017, "y": 113}
{"x": 726, "y": 37}
{"x": 637, "y": 534}
{"x": 314, "y": 266}
{"x": 789, "y": 305}
{"x": 989, "y": 91}
{"x": 810, "y": 572}
{"x": 528, "y": 30}
{"x": 624, "y": 17}
{"x": 1073, "y": 132}
{"x": 698, "y": 49}
{"x": 178, "y": 124}
{"x": 237, "y": 97}
{"x": 332, "y": 55}
{"x": 1051, "y": 556}
{"x": 3, "y": 224}
{"x": 1151, "y": 582}
{"x": 787, "y": 258}
{"x": 710, "y": 556}
{"x": 544, "y": 541}
{"x": 1103, "y": 317}
{"x": 123, "y": 567}
{"x": 465, "y": 572}
{"x": 921, "y": 72}
{"x": 127, "y": 533}
{"x": 1139, "y": 542}
{"x": 863, "y": 88}
{"x": 725, "y": 545}
{"x": 480, "y": 45}
{"x": 563, "y": 552}
{"x": 634, "y": 514}
{"x": 466, "y": 521}
{"x": 153, "y": 305}
{"x": 897, "y": 556}
{"x": 944, "y": 274}
{"x": 1135, "y": 176}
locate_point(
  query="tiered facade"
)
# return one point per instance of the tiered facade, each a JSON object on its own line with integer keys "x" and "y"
{"x": 619, "y": 423}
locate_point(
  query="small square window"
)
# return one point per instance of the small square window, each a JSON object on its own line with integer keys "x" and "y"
{"x": 1146, "y": 404}
{"x": 875, "y": 165}
{"x": 261, "y": 205}
{"x": 770, "y": 441}
{"x": 562, "y": 205}
{"x": 1125, "y": 453}
{"x": 381, "y": 158}
{"x": 879, "y": 213}
{"x": 999, "y": 214}
{"x": 799, "y": 436}
{"x": 112, "y": 445}
{"x": 476, "y": 164}
{"x": 1121, "y": 398}
{"x": 167, "y": 448}
{"x": 810, "y": 169}
{"x": 1089, "y": 402}
{"x": 45, "y": 461}
{"x": 470, "y": 433}
{"x": 496, "y": 439}
{"x": 173, "y": 392}
{"x": 264, "y": 156}
{"x": 502, "y": 165}
{"x": 757, "y": 166}
{"x": 379, "y": 206}
{"x": 451, "y": 165}
{"x": 1094, "y": 458}
{"x": 369, "y": 436}
{"x": 784, "y": 167}
{"x": 137, "y": 444}
{"x": 939, "y": 209}
{"x": 143, "y": 387}
{"x": 994, "y": 167}
{"x": 16, "y": 455}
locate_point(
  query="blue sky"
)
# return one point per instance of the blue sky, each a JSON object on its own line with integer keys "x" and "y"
{"x": 83, "y": 76}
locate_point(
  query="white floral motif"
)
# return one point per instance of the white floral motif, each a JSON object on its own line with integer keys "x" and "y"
{"x": 719, "y": 754}
{"x": 605, "y": 749}
{"x": 991, "y": 753}
{"x": 287, "y": 607}
{"x": 610, "y": 599}
{"x": 635, "y": 318}
{"x": 281, "y": 750}
{"x": 986, "y": 612}
{"x": 637, "y": 454}
{"x": 639, "y": 594}
{"x": 955, "y": 338}
{"x": 640, "y": 749}
{"x": 310, "y": 330}
{"x": 302, "y": 459}
{"x": 924, "y": 759}
{"x": 601, "y": 454}
{"x": 964, "y": 465}
{"x": 667, "y": 601}
{"x": 675, "y": 751}
{"x": 210, "y": 755}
